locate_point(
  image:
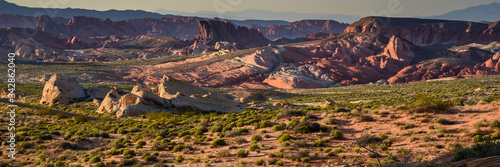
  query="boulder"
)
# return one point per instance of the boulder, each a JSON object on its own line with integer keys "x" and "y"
{"x": 110, "y": 102}
{"x": 185, "y": 96}
{"x": 98, "y": 92}
{"x": 146, "y": 94}
{"x": 212, "y": 31}
{"x": 399, "y": 49}
{"x": 327, "y": 103}
{"x": 61, "y": 90}
{"x": 223, "y": 45}
{"x": 135, "y": 110}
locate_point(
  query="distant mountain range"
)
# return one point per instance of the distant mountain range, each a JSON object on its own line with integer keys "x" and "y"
{"x": 488, "y": 13}
{"x": 268, "y": 15}
{"x": 11, "y": 8}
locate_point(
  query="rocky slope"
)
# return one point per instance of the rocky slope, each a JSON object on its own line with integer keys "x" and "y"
{"x": 183, "y": 28}
{"x": 429, "y": 32}
{"x": 212, "y": 31}
{"x": 300, "y": 28}
{"x": 86, "y": 26}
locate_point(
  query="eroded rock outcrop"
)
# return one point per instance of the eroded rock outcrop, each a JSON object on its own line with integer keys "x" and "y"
{"x": 185, "y": 96}
{"x": 86, "y": 26}
{"x": 61, "y": 90}
{"x": 98, "y": 92}
{"x": 110, "y": 102}
{"x": 212, "y": 31}
{"x": 428, "y": 31}
{"x": 305, "y": 76}
{"x": 300, "y": 28}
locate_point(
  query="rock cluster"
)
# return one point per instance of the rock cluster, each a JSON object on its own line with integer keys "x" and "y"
{"x": 212, "y": 31}
{"x": 428, "y": 32}
{"x": 61, "y": 90}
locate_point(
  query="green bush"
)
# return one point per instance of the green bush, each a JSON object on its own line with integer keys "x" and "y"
{"x": 279, "y": 163}
{"x": 337, "y": 134}
{"x": 179, "y": 159}
{"x": 366, "y": 118}
{"x": 253, "y": 147}
{"x": 279, "y": 127}
{"x": 305, "y": 159}
{"x": 259, "y": 162}
{"x": 81, "y": 119}
{"x": 318, "y": 143}
{"x": 42, "y": 112}
{"x": 495, "y": 124}
{"x": 477, "y": 138}
{"x": 496, "y": 136}
{"x": 218, "y": 142}
{"x": 140, "y": 144}
{"x": 481, "y": 150}
{"x": 178, "y": 148}
{"x": 241, "y": 153}
{"x": 284, "y": 137}
{"x": 256, "y": 138}
{"x": 94, "y": 160}
{"x": 61, "y": 116}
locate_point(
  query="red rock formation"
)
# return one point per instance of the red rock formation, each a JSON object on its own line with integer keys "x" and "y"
{"x": 86, "y": 26}
{"x": 179, "y": 27}
{"x": 212, "y": 31}
{"x": 428, "y": 32}
{"x": 300, "y": 28}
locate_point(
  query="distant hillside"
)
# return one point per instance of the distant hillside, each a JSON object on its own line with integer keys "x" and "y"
{"x": 490, "y": 13}
{"x": 268, "y": 15}
{"x": 11, "y": 8}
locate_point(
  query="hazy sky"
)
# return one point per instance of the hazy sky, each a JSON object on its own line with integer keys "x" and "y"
{"x": 348, "y": 7}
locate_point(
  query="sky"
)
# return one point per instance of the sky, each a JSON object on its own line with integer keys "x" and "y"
{"x": 401, "y": 8}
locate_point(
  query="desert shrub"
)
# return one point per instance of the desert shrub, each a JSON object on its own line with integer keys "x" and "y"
{"x": 94, "y": 159}
{"x": 179, "y": 159}
{"x": 239, "y": 140}
{"x": 42, "y": 112}
{"x": 301, "y": 143}
{"x": 365, "y": 140}
{"x": 307, "y": 127}
{"x": 481, "y": 150}
{"x": 319, "y": 143}
{"x": 222, "y": 153}
{"x": 427, "y": 103}
{"x": 218, "y": 142}
{"x": 216, "y": 128}
{"x": 496, "y": 136}
{"x": 264, "y": 124}
{"x": 253, "y": 147}
{"x": 140, "y": 144}
{"x": 232, "y": 133}
{"x": 336, "y": 134}
{"x": 81, "y": 119}
{"x": 279, "y": 163}
{"x": 305, "y": 159}
{"x": 366, "y": 118}
{"x": 495, "y": 124}
{"x": 388, "y": 143}
{"x": 477, "y": 138}
{"x": 149, "y": 158}
{"x": 178, "y": 148}
{"x": 241, "y": 153}
{"x": 259, "y": 162}
{"x": 61, "y": 116}
{"x": 284, "y": 137}
{"x": 289, "y": 114}
{"x": 443, "y": 121}
{"x": 338, "y": 150}
{"x": 256, "y": 138}
{"x": 279, "y": 127}
{"x": 331, "y": 121}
